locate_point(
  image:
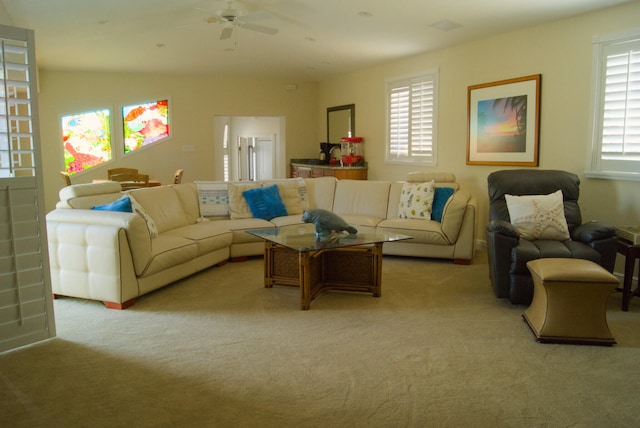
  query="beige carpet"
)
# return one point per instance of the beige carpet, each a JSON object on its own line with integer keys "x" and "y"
{"x": 219, "y": 350}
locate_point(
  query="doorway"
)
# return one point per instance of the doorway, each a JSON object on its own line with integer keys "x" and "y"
{"x": 249, "y": 148}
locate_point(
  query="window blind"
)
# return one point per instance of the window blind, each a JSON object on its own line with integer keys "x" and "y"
{"x": 411, "y": 123}
{"x": 621, "y": 103}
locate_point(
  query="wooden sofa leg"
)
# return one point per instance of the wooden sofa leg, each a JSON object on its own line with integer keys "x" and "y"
{"x": 120, "y": 306}
{"x": 461, "y": 261}
{"x": 239, "y": 259}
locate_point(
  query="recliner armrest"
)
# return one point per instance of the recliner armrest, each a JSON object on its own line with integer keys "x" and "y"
{"x": 592, "y": 231}
{"x": 502, "y": 227}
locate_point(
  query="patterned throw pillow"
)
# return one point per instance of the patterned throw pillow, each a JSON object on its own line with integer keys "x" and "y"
{"x": 213, "y": 197}
{"x": 139, "y": 209}
{"x": 538, "y": 216}
{"x": 416, "y": 200}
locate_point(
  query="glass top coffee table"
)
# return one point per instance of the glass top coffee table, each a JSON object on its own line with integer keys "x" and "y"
{"x": 295, "y": 257}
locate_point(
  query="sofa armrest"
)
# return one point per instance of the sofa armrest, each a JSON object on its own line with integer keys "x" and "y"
{"x": 592, "y": 231}
{"x": 135, "y": 228}
{"x": 601, "y": 238}
{"x": 453, "y": 214}
{"x": 502, "y": 227}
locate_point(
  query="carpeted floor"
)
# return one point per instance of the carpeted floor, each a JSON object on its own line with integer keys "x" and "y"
{"x": 219, "y": 350}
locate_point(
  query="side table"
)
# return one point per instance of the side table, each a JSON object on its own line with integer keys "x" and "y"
{"x": 630, "y": 252}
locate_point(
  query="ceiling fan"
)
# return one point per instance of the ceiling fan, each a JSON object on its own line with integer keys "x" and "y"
{"x": 231, "y": 19}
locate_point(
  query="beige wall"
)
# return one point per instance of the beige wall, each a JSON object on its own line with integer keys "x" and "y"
{"x": 560, "y": 51}
{"x": 195, "y": 100}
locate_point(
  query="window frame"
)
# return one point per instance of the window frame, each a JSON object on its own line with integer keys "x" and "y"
{"x": 597, "y": 167}
{"x": 392, "y": 84}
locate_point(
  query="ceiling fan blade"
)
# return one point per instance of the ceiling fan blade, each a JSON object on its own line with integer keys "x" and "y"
{"x": 226, "y": 32}
{"x": 259, "y": 28}
{"x": 255, "y": 16}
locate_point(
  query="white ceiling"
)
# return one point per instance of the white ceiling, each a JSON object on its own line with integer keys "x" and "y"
{"x": 317, "y": 39}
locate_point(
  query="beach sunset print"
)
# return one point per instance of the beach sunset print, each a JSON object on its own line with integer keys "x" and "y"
{"x": 502, "y": 125}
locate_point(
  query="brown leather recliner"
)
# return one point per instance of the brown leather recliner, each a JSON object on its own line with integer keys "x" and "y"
{"x": 508, "y": 254}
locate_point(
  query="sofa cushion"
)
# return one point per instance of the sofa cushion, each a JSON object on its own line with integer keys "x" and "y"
{"x": 320, "y": 192}
{"x": 169, "y": 250}
{"x": 188, "y": 195}
{"x": 265, "y": 202}
{"x": 416, "y": 200}
{"x": 208, "y": 236}
{"x": 538, "y": 216}
{"x": 293, "y": 192}
{"x": 361, "y": 197}
{"x": 238, "y": 207}
{"x": 87, "y": 195}
{"x": 239, "y": 228}
{"x": 422, "y": 231}
{"x": 163, "y": 205}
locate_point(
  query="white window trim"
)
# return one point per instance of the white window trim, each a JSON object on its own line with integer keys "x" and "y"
{"x": 394, "y": 82}
{"x": 596, "y": 168}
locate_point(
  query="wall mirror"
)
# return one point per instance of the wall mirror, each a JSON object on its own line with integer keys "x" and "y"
{"x": 341, "y": 122}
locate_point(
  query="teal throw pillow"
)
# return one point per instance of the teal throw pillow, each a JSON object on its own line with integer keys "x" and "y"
{"x": 122, "y": 205}
{"x": 265, "y": 202}
{"x": 440, "y": 198}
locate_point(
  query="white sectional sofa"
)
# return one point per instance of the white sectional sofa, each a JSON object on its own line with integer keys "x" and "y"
{"x": 178, "y": 230}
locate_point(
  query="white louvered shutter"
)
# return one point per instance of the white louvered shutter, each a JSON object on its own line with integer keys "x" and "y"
{"x": 26, "y": 303}
{"x": 617, "y": 113}
{"x": 412, "y": 119}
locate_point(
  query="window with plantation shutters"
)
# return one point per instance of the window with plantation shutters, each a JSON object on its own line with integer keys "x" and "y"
{"x": 616, "y": 121}
{"x": 411, "y": 113}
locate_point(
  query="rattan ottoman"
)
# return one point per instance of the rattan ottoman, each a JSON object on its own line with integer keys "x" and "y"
{"x": 570, "y": 301}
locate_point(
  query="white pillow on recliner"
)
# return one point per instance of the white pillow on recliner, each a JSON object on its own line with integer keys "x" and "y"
{"x": 538, "y": 216}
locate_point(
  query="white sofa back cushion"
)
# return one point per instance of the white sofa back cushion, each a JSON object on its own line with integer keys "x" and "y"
{"x": 361, "y": 198}
{"x": 320, "y": 192}
{"x": 163, "y": 205}
{"x": 87, "y": 195}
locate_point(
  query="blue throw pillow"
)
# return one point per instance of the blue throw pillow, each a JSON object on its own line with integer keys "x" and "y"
{"x": 122, "y": 205}
{"x": 440, "y": 198}
{"x": 265, "y": 202}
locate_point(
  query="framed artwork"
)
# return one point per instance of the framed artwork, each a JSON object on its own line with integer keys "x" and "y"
{"x": 503, "y": 120}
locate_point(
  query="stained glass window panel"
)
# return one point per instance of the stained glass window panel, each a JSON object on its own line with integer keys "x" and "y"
{"x": 145, "y": 124}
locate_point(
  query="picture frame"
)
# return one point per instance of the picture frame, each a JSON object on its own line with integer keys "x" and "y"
{"x": 503, "y": 122}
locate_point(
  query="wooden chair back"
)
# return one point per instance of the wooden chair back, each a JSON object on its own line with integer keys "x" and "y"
{"x": 177, "y": 177}
{"x": 65, "y": 176}
{"x": 114, "y": 171}
{"x": 132, "y": 180}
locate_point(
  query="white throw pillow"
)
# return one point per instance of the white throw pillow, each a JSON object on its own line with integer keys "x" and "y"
{"x": 538, "y": 216}
{"x": 416, "y": 200}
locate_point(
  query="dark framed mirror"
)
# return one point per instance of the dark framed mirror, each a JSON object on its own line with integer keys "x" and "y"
{"x": 341, "y": 122}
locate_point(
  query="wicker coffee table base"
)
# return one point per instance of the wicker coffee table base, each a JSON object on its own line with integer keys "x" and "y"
{"x": 348, "y": 269}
